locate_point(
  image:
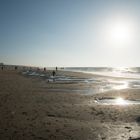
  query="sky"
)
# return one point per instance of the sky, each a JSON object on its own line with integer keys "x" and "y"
{"x": 66, "y": 33}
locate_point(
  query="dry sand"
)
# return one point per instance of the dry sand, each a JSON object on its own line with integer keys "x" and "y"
{"x": 33, "y": 109}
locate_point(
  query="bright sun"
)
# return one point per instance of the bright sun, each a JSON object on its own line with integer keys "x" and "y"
{"x": 119, "y": 32}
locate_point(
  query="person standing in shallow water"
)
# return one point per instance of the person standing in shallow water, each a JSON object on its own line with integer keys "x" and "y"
{"x": 53, "y": 73}
{"x": 56, "y": 68}
{"x": 44, "y": 69}
{"x": 16, "y": 67}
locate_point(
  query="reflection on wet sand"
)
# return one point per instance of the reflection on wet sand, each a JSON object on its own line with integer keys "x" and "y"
{"x": 116, "y": 101}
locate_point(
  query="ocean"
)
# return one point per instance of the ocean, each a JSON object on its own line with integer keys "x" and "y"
{"x": 130, "y": 78}
{"x": 126, "y": 72}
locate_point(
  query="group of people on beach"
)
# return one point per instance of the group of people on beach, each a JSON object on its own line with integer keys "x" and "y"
{"x": 53, "y": 72}
{"x": 2, "y": 67}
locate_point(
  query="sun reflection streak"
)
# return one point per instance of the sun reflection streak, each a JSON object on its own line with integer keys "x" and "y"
{"x": 124, "y": 85}
{"x": 116, "y": 101}
{"x": 120, "y": 101}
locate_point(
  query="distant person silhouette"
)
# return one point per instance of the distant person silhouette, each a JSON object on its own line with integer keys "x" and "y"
{"x": 56, "y": 68}
{"x": 2, "y": 68}
{"x": 16, "y": 67}
{"x": 44, "y": 69}
{"x": 53, "y": 73}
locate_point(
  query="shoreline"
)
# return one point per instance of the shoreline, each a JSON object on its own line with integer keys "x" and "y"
{"x": 92, "y": 84}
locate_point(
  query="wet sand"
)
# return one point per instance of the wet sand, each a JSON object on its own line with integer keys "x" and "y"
{"x": 33, "y": 109}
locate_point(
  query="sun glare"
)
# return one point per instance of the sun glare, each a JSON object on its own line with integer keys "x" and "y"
{"x": 122, "y": 85}
{"x": 119, "y": 32}
{"x": 120, "y": 101}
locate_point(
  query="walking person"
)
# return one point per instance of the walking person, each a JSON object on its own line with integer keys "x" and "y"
{"x": 53, "y": 73}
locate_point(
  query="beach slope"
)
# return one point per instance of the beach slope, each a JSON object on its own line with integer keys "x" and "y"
{"x": 34, "y": 109}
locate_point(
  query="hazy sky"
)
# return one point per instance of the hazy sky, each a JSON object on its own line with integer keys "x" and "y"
{"x": 70, "y": 32}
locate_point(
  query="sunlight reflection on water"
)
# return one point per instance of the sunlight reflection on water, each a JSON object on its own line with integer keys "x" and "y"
{"x": 121, "y": 85}
{"x": 92, "y": 85}
{"x": 116, "y": 101}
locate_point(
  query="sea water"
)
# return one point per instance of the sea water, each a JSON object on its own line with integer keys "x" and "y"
{"x": 131, "y": 75}
{"x": 131, "y": 78}
{"x": 126, "y": 72}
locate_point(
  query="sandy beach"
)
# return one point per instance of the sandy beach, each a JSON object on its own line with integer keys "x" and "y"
{"x": 31, "y": 108}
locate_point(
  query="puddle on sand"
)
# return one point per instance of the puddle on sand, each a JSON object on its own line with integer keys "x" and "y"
{"x": 116, "y": 101}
